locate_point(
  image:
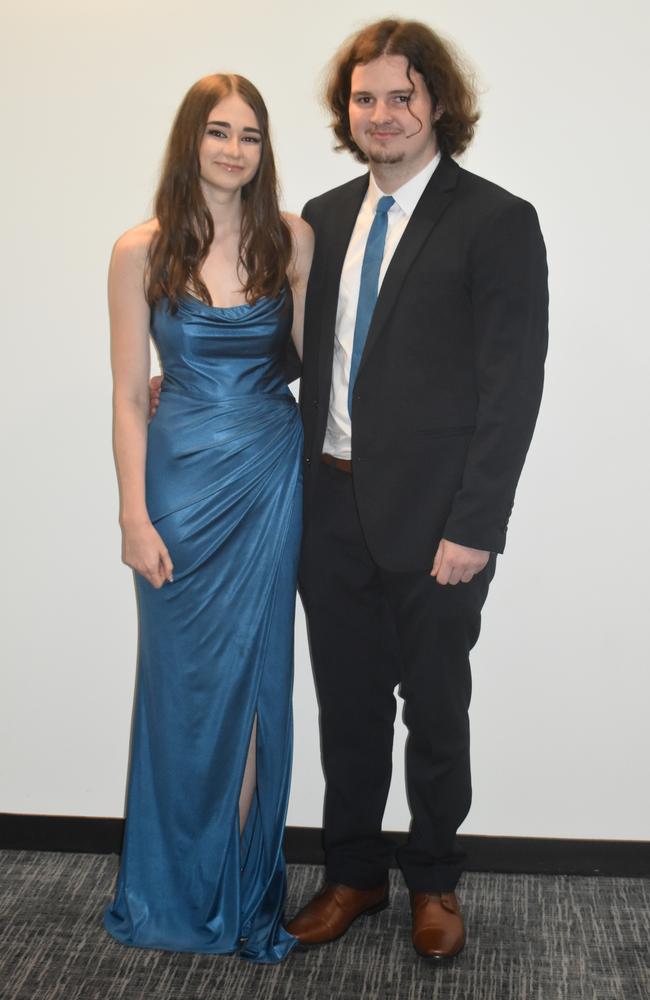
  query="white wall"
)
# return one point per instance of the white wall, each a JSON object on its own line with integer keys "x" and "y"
{"x": 560, "y": 741}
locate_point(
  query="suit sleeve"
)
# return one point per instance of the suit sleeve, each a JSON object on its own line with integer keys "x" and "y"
{"x": 509, "y": 291}
{"x": 291, "y": 363}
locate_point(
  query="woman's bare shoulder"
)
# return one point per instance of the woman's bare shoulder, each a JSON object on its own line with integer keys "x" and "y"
{"x": 133, "y": 245}
{"x": 301, "y": 231}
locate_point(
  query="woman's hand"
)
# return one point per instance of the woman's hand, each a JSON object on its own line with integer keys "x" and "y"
{"x": 155, "y": 384}
{"x": 144, "y": 551}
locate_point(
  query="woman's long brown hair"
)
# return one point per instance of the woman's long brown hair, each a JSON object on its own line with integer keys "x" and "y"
{"x": 186, "y": 230}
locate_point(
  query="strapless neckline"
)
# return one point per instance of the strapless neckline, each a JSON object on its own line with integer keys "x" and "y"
{"x": 240, "y": 309}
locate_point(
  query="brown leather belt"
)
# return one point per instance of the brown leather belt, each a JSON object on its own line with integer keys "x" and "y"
{"x": 342, "y": 464}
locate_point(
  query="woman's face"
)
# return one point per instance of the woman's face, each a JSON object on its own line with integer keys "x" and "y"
{"x": 231, "y": 148}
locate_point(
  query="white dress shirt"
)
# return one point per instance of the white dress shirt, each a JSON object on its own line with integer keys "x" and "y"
{"x": 338, "y": 436}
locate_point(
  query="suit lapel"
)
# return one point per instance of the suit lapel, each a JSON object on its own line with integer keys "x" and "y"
{"x": 339, "y": 233}
{"x": 429, "y": 209}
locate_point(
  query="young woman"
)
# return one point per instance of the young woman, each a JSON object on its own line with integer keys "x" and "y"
{"x": 210, "y": 510}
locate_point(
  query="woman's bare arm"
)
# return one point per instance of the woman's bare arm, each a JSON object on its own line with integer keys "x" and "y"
{"x": 303, "y": 251}
{"x": 143, "y": 549}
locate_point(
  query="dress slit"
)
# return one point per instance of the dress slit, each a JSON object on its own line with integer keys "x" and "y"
{"x": 248, "y": 782}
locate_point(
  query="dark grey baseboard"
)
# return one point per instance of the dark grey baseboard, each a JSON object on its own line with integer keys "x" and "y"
{"x": 529, "y": 855}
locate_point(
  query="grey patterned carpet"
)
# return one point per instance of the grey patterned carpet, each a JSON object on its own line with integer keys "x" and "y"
{"x": 529, "y": 938}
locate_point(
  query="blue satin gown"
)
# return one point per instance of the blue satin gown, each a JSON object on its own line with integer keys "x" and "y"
{"x": 223, "y": 488}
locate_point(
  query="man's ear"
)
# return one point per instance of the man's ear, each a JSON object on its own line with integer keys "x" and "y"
{"x": 438, "y": 113}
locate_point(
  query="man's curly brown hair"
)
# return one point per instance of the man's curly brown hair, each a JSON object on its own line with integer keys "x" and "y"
{"x": 447, "y": 79}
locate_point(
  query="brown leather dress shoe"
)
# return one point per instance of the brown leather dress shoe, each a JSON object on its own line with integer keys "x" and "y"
{"x": 329, "y": 914}
{"x": 438, "y": 928}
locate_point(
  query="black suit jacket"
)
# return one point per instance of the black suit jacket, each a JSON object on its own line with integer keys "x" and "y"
{"x": 450, "y": 380}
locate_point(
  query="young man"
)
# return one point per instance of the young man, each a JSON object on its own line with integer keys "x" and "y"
{"x": 425, "y": 338}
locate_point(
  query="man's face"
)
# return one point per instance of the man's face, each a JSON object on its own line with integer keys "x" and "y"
{"x": 384, "y": 110}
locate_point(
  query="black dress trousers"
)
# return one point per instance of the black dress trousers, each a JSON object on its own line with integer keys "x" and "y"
{"x": 370, "y": 631}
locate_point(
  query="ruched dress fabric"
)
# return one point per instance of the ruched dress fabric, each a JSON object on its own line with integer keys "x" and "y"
{"x": 223, "y": 487}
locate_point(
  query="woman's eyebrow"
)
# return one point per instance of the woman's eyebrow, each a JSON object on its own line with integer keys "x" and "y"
{"x": 228, "y": 125}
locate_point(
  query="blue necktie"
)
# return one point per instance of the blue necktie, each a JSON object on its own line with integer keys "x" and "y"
{"x": 369, "y": 287}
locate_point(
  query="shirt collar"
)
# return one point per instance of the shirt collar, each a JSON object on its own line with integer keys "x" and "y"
{"x": 409, "y": 194}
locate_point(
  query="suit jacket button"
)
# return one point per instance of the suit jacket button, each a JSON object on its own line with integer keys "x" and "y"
{"x": 307, "y": 459}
